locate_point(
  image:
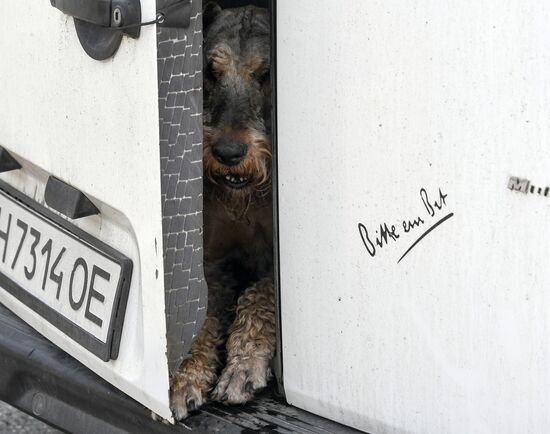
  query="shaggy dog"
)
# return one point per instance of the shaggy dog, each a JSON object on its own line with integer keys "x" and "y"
{"x": 238, "y": 215}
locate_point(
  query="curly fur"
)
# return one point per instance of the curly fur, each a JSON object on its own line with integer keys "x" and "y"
{"x": 238, "y": 221}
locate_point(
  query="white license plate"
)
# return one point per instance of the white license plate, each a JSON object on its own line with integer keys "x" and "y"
{"x": 73, "y": 280}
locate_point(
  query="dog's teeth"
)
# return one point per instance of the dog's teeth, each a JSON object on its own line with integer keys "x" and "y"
{"x": 236, "y": 179}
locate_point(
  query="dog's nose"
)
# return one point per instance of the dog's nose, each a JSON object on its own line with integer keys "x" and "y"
{"x": 229, "y": 151}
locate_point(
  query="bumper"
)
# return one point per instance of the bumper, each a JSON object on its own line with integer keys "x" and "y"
{"x": 40, "y": 379}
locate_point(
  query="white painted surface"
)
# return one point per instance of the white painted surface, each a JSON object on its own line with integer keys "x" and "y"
{"x": 95, "y": 125}
{"x": 376, "y": 100}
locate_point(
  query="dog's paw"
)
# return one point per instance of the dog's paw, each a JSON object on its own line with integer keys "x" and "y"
{"x": 186, "y": 393}
{"x": 241, "y": 379}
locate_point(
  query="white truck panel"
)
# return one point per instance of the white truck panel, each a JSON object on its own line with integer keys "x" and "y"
{"x": 94, "y": 125}
{"x": 376, "y": 101}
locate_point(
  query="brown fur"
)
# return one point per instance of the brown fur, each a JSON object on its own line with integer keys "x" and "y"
{"x": 190, "y": 385}
{"x": 256, "y": 165}
{"x": 252, "y": 66}
{"x": 250, "y": 347}
{"x": 248, "y": 328}
{"x": 238, "y": 220}
{"x": 223, "y": 61}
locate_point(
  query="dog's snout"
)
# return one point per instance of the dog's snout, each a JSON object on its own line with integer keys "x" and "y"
{"x": 229, "y": 151}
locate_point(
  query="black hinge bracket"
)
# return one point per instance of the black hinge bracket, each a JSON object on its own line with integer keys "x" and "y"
{"x": 68, "y": 200}
{"x": 175, "y": 14}
{"x": 100, "y": 24}
{"x": 7, "y": 162}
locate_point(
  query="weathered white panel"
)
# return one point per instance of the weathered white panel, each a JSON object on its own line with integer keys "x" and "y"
{"x": 94, "y": 125}
{"x": 376, "y": 101}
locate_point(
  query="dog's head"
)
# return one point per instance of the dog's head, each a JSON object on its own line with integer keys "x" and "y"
{"x": 237, "y": 105}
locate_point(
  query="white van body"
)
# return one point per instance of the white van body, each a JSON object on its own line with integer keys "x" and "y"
{"x": 384, "y": 110}
{"x": 94, "y": 125}
{"x": 413, "y": 192}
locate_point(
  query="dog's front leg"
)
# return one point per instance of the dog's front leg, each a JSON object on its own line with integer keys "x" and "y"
{"x": 251, "y": 345}
{"x": 197, "y": 374}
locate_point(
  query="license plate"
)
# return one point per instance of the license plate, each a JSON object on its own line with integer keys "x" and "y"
{"x": 73, "y": 280}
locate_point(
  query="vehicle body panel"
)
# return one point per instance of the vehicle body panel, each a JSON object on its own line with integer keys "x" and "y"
{"x": 388, "y": 111}
{"x": 94, "y": 125}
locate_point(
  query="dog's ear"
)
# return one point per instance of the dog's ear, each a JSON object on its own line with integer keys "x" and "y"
{"x": 210, "y": 11}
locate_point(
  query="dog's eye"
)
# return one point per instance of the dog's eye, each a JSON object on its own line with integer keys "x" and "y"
{"x": 264, "y": 76}
{"x": 209, "y": 73}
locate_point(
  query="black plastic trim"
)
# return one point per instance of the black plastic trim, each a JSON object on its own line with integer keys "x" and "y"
{"x": 68, "y": 200}
{"x": 92, "y": 11}
{"x": 99, "y": 43}
{"x": 99, "y": 32}
{"x": 104, "y": 350}
{"x": 47, "y": 383}
{"x": 101, "y": 13}
{"x": 7, "y": 161}
{"x": 131, "y": 17}
{"x": 176, "y": 15}
{"x": 278, "y": 362}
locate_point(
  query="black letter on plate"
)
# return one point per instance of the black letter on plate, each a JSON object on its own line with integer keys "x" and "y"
{"x": 57, "y": 278}
{"x": 46, "y": 249}
{"x": 4, "y": 236}
{"x": 74, "y": 304}
{"x": 25, "y": 228}
{"x": 96, "y": 271}
{"x": 29, "y": 274}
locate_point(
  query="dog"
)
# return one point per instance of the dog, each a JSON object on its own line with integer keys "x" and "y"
{"x": 239, "y": 331}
